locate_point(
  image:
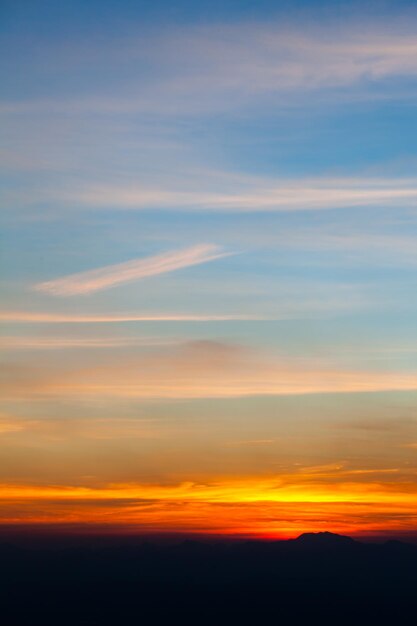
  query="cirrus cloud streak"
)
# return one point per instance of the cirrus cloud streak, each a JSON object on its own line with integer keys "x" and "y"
{"x": 113, "y": 275}
{"x": 69, "y": 318}
{"x": 254, "y": 195}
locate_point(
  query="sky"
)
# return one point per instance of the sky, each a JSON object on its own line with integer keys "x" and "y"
{"x": 208, "y": 267}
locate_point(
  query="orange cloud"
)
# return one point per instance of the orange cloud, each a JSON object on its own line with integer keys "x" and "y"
{"x": 275, "y": 506}
{"x": 68, "y": 318}
{"x": 10, "y": 427}
{"x": 199, "y": 370}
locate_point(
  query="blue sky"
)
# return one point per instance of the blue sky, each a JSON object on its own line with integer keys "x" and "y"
{"x": 136, "y": 130}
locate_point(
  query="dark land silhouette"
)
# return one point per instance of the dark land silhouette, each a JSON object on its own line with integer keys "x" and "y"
{"x": 317, "y": 578}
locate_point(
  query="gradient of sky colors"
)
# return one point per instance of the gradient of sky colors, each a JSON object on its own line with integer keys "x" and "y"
{"x": 209, "y": 254}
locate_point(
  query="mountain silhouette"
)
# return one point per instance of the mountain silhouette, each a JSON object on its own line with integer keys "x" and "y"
{"x": 316, "y": 578}
{"x": 324, "y": 539}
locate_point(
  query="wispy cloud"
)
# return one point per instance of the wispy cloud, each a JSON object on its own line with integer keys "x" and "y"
{"x": 62, "y": 343}
{"x": 69, "y": 318}
{"x": 56, "y": 429}
{"x": 222, "y": 67}
{"x": 224, "y": 192}
{"x": 112, "y": 275}
{"x": 256, "y": 195}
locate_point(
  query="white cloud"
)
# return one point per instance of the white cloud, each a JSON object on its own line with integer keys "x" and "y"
{"x": 256, "y": 195}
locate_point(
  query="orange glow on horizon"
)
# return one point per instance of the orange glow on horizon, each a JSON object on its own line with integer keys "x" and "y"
{"x": 267, "y": 508}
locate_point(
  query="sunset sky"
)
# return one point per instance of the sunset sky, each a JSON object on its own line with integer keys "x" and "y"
{"x": 208, "y": 266}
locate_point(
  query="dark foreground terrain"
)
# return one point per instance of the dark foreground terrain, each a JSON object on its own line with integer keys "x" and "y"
{"x": 315, "y": 579}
